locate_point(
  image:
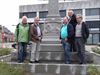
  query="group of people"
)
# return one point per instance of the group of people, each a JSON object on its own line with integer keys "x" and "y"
{"x": 73, "y": 35}
{"x": 25, "y": 34}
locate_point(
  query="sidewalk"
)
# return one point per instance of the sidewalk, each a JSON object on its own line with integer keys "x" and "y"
{"x": 88, "y": 47}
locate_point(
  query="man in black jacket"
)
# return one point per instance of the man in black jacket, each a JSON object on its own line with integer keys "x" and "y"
{"x": 81, "y": 35}
{"x": 72, "y": 20}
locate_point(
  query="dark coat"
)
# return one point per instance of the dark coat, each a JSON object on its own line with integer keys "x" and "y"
{"x": 70, "y": 31}
{"x": 85, "y": 31}
{"x": 73, "y": 21}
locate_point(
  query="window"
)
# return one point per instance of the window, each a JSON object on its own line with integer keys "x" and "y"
{"x": 28, "y": 14}
{"x": 94, "y": 11}
{"x": 43, "y": 14}
{"x": 31, "y": 14}
{"x": 20, "y": 15}
{"x": 62, "y": 13}
{"x": 95, "y": 38}
{"x": 93, "y": 24}
{"x": 77, "y": 11}
{"x": 89, "y": 40}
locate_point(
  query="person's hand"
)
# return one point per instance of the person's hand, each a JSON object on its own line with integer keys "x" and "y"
{"x": 66, "y": 39}
{"x": 17, "y": 45}
{"x": 40, "y": 40}
{"x": 60, "y": 41}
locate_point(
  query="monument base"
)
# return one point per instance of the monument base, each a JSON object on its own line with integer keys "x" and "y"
{"x": 52, "y": 27}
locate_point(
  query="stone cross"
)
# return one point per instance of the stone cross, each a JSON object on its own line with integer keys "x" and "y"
{"x": 53, "y": 18}
{"x": 53, "y": 8}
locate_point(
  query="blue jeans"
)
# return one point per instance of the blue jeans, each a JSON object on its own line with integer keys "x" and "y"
{"x": 22, "y": 51}
{"x": 67, "y": 53}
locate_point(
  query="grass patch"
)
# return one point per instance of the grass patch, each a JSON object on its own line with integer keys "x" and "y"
{"x": 92, "y": 70}
{"x": 6, "y": 69}
{"x": 96, "y": 50}
{"x": 5, "y": 51}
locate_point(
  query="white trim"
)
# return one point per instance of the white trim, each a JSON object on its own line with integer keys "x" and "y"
{"x": 37, "y": 13}
{"x": 84, "y": 14}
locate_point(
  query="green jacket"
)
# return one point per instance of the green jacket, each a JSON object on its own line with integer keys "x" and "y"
{"x": 23, "y": 33}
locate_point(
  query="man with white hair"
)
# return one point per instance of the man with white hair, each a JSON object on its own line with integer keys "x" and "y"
{"x": 22, "y": 38}
{"x": 36, "y": 37}
{"x": 73, "y": 21}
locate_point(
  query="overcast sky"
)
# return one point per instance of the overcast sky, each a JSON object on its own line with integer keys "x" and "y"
{"x": 9, "y": 12}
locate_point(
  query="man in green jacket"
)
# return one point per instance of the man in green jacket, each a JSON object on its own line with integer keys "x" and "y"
{"x": 22, "y": 38}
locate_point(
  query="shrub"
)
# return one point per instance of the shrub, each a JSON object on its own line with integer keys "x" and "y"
{"x": 96, "y": 50}
{"x": 92, "y": 70}
{"x": 6, "y": 69}
{"x": 5, "y": 51}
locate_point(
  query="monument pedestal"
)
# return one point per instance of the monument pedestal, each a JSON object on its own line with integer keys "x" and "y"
{"x": 51, "y": 47}
{"x": 51, "y": 28}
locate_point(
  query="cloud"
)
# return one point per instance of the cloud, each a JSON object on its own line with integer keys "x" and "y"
{"x": 9, "y": 13}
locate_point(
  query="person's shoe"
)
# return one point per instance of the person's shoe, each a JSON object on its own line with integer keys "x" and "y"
{"x": 32, "y": 61}
{"x": 82, "y": 63}
{"x": 19, "y": 61}
{"x": 26, "y": 61}
{"x": 36, "y": 61}
{"x": 67, "y": 63}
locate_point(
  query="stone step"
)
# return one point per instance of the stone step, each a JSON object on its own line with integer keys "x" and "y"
{"x": 51, "y": 47}
{"x": 59, "y": 56}
{"x": 58, "y": 69}
{"x": 50, "y": 37}
{"x": 50, "y": 41}
{"x": 55, "y": 69}
{"x": 55, "y": 57}
{"x": 51, "y": 34}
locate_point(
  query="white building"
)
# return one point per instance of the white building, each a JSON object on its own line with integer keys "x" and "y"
{"x": 90, "y": 9}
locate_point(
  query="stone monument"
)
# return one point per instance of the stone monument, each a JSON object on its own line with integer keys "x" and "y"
{"x": 53, "y": 19}
{"x": 53, "y": 9}
{"x": 51, "y": 48}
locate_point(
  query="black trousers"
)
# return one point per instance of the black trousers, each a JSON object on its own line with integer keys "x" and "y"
{"x": 80, "y": 46}
{"x": 73, "y": 48}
